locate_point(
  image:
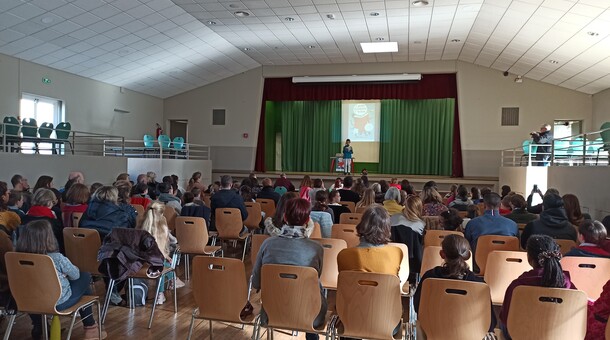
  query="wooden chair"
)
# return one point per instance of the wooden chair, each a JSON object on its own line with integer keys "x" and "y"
{"x": 220, "y": 291}
{"x": 257, "y": 241}
{"x": 346, "y": 232}
{"x": 349, "y": 204}
{"x": 229, "y": 226}
{"x": 436, "y": 237}
{"x": 207, "y": 200}
{"x": 350, "y": 218}
{"x": 565, "y": 245}
{"x": 432, "y": 258}
{"x": 254, "y": 216}
{"x": 330, "y": 268}
{"x": 267, "y": 206}
{"x": 488, "y": 243}
{"x": 192, "y": 235}
{"x": 403, "y": 273}
{"x": 368, "y": 305}
{"x": 141, "y": 212}
{"x": 544, "y": 313}
{"x": 454, "y": 309}
{"x": 317, "y": 231}
{"x": 588, "y": 274}
{"x": 170, "y": 216}
{"x": 360, "y": 210}
{"x": 502, "y": 268}
{"x": 291, "y": 299}
{"x": 76, "y": 216}
{"x": 82, "y": 246}
{"x": 433, "y": 222}
{"x": 36, "y": 289}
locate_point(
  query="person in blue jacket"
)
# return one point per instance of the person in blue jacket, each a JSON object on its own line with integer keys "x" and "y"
{"x": 348, "y": 151}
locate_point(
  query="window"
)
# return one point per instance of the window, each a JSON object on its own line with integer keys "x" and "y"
{"x": 44, "y": 110}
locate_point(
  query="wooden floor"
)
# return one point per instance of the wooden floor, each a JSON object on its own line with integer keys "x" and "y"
{"x": 123, "y": 323}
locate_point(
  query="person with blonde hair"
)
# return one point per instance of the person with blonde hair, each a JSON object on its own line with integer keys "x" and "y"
{"x": 411, "y": 216}
{"x": 368, "y": 198}
{"x": 156, "y": 225}
{"x": 433, "y": 202}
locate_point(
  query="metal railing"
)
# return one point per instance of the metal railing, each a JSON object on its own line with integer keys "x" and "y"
{"x": 137, "y": 149}
{"x": 585, "y": 149}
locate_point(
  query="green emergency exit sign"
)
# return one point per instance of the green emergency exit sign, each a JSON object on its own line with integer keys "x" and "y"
{"x": 46, "y": 80}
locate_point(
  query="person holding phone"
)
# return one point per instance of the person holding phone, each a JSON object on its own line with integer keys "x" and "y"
{"x": 348, "y": 152}
{"x": 544, "y": 140}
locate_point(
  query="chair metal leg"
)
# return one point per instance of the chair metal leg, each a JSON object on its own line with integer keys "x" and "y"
{"x": 243, "y": 256}
{"x": 131, "y": 294}
{"x": 107, "y": 301}
{"x": 175, "y": 295}
{"x": 9, "y": 327}
{"x": 72, "y": 323}
{"x": 192, "y": 324}
{"x": 211, "y": 330}
{"x": 99, "y": 317}
{"x": 154, "y": 306}
{"x": 186, "y": 267}
{"x": 45, "y": 331}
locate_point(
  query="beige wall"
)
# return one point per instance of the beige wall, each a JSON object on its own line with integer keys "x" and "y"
{"x": 482, "y": 93}
{"x": 89, "y": 104}
{"x": 601, "y": 109}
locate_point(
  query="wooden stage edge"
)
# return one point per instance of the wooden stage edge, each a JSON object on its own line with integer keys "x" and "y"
{"x": 444, "y": 182}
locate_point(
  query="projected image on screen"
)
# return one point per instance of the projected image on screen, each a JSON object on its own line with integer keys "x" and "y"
{"x": 361, "y": 122}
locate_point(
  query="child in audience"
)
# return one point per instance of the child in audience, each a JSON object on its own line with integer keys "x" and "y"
{"x": 591, "y": 235}
{"x": 140, "y": 195}
{"x": 455, "y": 252}
{"x": 450, "y": 196}
{"x": 77, "y": 199}
{"x": 337, "y": 185}
{"x": 460, "y": 200}
{"x": 8, "y": 219}
{"x": 94, "y": 187}
{"x": 543, "y": 255}
{"x": 322, "y": 214}
{"x": 155, "y": 223}
{"x": 451, "y": 220}
{"x": 394, "y": 183}
{"x": 475, "y": 195}
{"x": 505, "y": 207}
{"x": 305, "y": 187}
{"x": 191, "y": 208}
{"x": 15, "y": 202}
{"x": 42, "y": 202}
{"x": 37, "y": 238}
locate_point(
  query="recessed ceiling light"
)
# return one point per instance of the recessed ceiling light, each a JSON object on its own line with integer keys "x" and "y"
{"x": 379, "y": 47}
{"x": 593, "y": 34}
{"x": 553, "y": 61}
{"x": 380, "y": 38}
{"x": 455, "y": 40}
{"x": 289, "y": 18}
{"x": 311, "y": 46}
{"x": 247, "y": 48}
{"x": 210, "y": 22}
{"x": 374, "y": 14}
{"x": 420, "y": 3}
{"x": 124, "y": 51}
{"x": 47, "y": 20}
{"x": 234, "y": 6}
{"x": 241, "y": 14}
{"x": 330, "y": 16}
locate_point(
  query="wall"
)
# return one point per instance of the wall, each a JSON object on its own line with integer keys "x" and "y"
{"x": 601, "y": 109}
{"x": 89, "y": 104}
{"x": 241, "y": 97}
{"x": 183, "y": 168}
{"x": 482, "y": 93}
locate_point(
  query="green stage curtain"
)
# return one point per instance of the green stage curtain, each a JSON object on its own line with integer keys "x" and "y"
{"x": 417, "y": 136}
{"x": 311, "y": 134}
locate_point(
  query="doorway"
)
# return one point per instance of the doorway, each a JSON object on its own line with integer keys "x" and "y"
{"x": 178, "y": 128}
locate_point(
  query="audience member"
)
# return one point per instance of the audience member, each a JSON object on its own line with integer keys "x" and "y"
{"x": 519, "y": 213}
{"x": 368, "y": 198}
{"x": 475, "y": 195}
{"x": 365, "y": 181}
{"x": 450, "y": 196}
{"x": 246, "y": 193}
{"x": 433, "y": 202}
{"x": 93, "y": 188}
{"x": 491, "y": 223}
{"x": 140, "y": 195}
{"x": 404, "y": 184}
{"x": 537, "y": 209}
{"x": 167, "y": 196}
{"x": 151, "y": 180}
{"x": 124, "y": 188}
{"x": 6, "y": 245}
{"x": 338, "y": 184}
{"x": 346, "y": 193}
{"x": 305, "y": 187}
{"x": 552, "y": 222}
{"x": 543, "y": 255}
{"x": 394, "y": 183}
{"x": 391, "y": 203}
{"x": 451, "y": 220}
{"x": 195, "y": 182}
{"x": 334, "y": 199}
{"x": 321, "y": 204}
{"x": 282, "y": 181}
{"x": 192, "y": 209}
{"x": 430, "y": 184}
{"x": 42, "y": 202}
{"x": 197, "y": 197}
{"x": 122, "y": 177}
{"x": 20, "y": 184}
{"x": 410, "y": 216}
{"x": 44, "y": 181}
{"x": 505, "y": 191}
{"x": 15, "y": 202}
{"x": 598, "y": 314}
{"x": 379, "y": 196}
{"x": 461, "y": 201}
{"x": 292, "y": 247}
{"x": 572, "y": 207}
{"x": 105, "y": 212}
{"x": 591, "y": 235}
{"x": 505, "y": 207}
{"x": 267, "y": 191}
{"x": 227, "y": 198}
{"x": 8, "y": 219}
{"x": 358, "y": 187}
{"x": 322, "y": 214}
{"x": 318, "y": 185}
{"x": 273, "y": 224}
{"x": 77, "y": 199}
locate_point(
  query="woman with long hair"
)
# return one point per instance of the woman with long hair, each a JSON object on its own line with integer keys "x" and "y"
{"x": 572, "y": 207}
{"x": 368, "y": 198}
{"x": 411, "y": 216}
{"x": 77, "y": 198}
{"x": 195, "y": 182}
{"x": 43, "y": 181}
{"x": 433, "y": 202}
{"x": 305, "y": 187}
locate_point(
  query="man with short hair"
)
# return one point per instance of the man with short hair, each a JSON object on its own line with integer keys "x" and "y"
{"x": 347, "y": 194}
{"x": 167, "y": 196}
{"x": 227, "y": 198}
{"x": 544, "y": 140}
{"x": 283, "y": 182}
{"x": 490, "y": 223}
{"x": 268, "y": 192}
{"x": 20, "y": 184}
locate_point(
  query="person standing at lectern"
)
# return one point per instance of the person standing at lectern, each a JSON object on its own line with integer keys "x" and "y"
{"x": 544, "y": 139}
{"x": 347, "y": 157}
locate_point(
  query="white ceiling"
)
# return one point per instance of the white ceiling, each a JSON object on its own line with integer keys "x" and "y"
{"x": 163, "y": 48}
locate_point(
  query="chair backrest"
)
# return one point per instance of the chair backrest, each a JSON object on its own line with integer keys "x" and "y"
{"x": 228, "y": 222}
{"x": 403, "y": 273}
{"x": 330, "y": 268}
{"x": 454, "y": 309}
{"x": 178, "y": 143}
{"x": 360, "y": 210}
{"x": 12, "y": 127}
{"x": 170, "y": 216}
{"x": 526, "y": 147}
{"x": 192, "y": 234}
{"x": 433, "y": 222}
{"x": 605, "y": 134}
{"x": 254, "y": 215}
{"x": 502, "y": 268}
{"x": 149, "y": 141}
{"x": 82, "y": 246}
{"x": 139, "y": 209}
{"x": 565, "y": 245}
{"x": 290, "y": 296}
{"x": 547, "y": 313}
{"x": 589, "y": 274}
{"x": 33, "y": 281}
{"x": 488, "y": 243}
{"x": 349, "y": 204}
{"x": 432, "y": 258}
{"x": 346, "y": 232}
{"x": 280, "y": 190}
{"x": 257, "y": 241}
{"x": 62, "y": 130}
{"x": 436, "y": 237}
{"x": 45, "y": 130}
{"x": 164, "y": 141}
{"x": 219, "y": 287}
{"x": 29, "y": 127}
{"x": 368, "y": 304}
{"x": 317, "y": 231}
{"x": 267, "y": 205}
{"x": 350, "y": 218}
{"x": 75, "y": 217}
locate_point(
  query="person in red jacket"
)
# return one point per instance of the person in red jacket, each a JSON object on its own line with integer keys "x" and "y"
{"x": 597, "y": 315}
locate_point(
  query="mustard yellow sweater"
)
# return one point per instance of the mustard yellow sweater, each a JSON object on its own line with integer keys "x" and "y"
{"x": 382, "y": 260}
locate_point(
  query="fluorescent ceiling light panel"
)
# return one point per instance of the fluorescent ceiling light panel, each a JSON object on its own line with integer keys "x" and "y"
{"x": 379, "y": 47}
{"x": 358, "y": 78}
